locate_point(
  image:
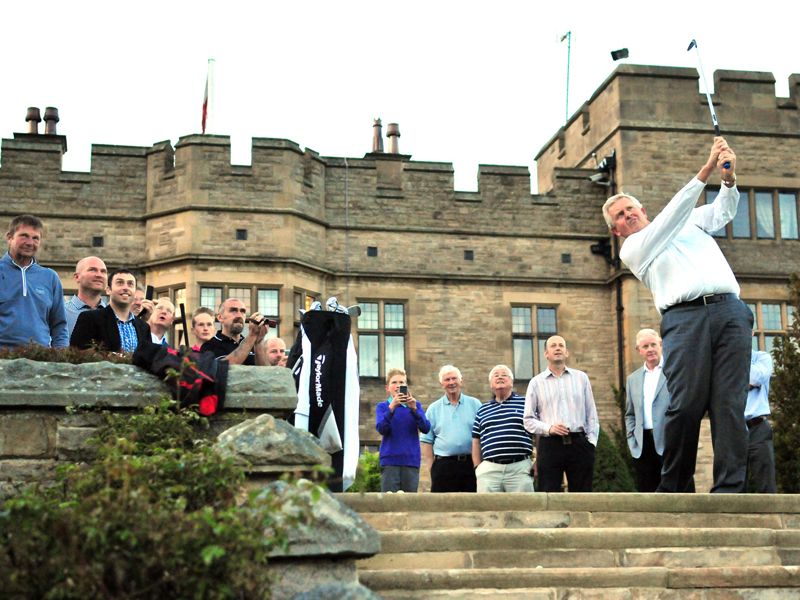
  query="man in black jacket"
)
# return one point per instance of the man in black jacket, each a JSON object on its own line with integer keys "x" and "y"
{"x": 114, "y": 327}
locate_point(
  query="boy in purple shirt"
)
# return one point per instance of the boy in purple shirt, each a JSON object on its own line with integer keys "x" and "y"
{"x": 399, "y": 419}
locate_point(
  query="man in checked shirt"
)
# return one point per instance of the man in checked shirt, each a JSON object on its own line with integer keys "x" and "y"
{"x": 560, "y": 410}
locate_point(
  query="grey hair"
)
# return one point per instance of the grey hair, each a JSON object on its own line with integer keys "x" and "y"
{"x": 644, "y": 332}
{"x": 610, "y": 201}
{"x": 449, "y": 369}
{"x": 504, "y": 368}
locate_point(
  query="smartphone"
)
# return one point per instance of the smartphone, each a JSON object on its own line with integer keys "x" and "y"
{"x": 149, "y": 292}
{"x": 404, "y": 391}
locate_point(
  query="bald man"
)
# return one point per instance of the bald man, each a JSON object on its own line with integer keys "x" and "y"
{"x": 560, "y": 409}
{"x": 91, "y": 276}
{"x": 276, "y": 352}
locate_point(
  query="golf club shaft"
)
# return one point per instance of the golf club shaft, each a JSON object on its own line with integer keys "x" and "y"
{"x": 714, "y": 120}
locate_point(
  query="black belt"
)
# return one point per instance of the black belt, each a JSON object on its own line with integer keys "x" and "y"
{"x": 755, "y": 421}
{"x": 578, "y": 434}
{"x": 458, "y": 457}
{"x": 507, "y": 460}
{"x": 703, "y": 301}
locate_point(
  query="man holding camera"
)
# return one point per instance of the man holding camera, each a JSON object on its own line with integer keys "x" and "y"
{"x": 230, "y": 345}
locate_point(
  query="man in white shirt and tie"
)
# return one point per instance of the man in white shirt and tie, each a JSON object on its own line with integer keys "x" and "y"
{"x": 647, "y": 399}
{"x": 706, "y": 328}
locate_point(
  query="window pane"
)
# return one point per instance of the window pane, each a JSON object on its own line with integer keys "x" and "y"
{"x": 268, "y": 302}
{"x": 520, "y": 322}
{"x": 741, "y": 222}
{"x": 369, "y": 316}
{"x": 711, "y": 195}
{"x": 769, "y": 340}
{"x": 393, "y": 316}
{"x": 772, "y": 316}
{"x": 541, "y": 362}
{"x": 755, "y": 343}
{"x": 765, "y": 225}
{"x": 211, "y": 297}
{"x": 790, "y": 315}
{"x": 752, "y": 308}
{"x": 368, "y": 356}
{"x": 546, "y": 320}
{"x": 395, "y": 352}
{"x": 788, "y": 209}
{"x": 242, "y": 294}
{"x": 180, "y": 298}
{"x": 523, "y": 358}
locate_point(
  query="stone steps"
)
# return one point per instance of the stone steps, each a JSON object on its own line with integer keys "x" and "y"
{"x": 465, "y": 581}
{"x": 607, "y": 546}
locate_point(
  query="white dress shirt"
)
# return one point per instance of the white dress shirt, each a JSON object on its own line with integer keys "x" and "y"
{"x": 649, "y": 391}
{"x": 566, "y": 399}
{"x": 675, "y": 256}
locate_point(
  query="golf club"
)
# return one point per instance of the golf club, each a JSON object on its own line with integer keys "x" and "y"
{"x": 714, "y": 121}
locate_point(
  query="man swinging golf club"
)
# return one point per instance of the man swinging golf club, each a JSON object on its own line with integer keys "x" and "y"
{"x": 706, "y": 328}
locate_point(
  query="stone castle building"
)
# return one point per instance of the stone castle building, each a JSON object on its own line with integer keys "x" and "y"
{"x": 443, "y": 276}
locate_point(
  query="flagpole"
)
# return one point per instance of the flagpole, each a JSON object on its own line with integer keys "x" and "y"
{"x": 567, "y": 36}
{"x": 208, "y": 97}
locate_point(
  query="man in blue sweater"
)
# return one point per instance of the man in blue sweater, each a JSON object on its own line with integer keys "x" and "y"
{"x": 399, "y": 419}
{"x": 31, "y": 296}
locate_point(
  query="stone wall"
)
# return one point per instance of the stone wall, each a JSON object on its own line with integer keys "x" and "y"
{"x": 49, "y": 410}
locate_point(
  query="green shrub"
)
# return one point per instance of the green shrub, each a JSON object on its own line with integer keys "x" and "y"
{"x": 611, "y": 474}
{"x": 157, "y": 515}
{"x": 784, "y": 396}
{"x": 618, "y": 433}
{"x": 368, "y": 474}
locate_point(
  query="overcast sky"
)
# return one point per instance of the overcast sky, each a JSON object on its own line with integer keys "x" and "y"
{"x": 469, "y": 82}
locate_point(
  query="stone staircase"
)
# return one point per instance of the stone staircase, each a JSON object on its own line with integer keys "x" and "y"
{"x": 579, "y": 546}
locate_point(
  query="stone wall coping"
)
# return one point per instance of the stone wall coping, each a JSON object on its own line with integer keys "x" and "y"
{"x": 35, "y": 384}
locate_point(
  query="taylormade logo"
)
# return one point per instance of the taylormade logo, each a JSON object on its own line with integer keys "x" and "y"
{"x": 318, "y": 362}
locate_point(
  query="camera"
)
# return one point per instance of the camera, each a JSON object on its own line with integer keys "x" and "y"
{"x": 272, "y": 324}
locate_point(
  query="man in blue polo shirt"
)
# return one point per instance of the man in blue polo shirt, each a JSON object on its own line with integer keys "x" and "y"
{"x": 447, "y": 446}
{"x": 501, "y": 448}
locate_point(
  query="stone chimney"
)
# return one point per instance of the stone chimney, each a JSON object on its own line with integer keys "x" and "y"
{"x": 50, "y": 120}
{"x": 393, "y": 133}
{"x": 33, "y": 118}
{"x": 377, "y": 136}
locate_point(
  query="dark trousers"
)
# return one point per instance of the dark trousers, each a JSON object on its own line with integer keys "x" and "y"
{"x": 453, "y": 474}
{"x": 761, "y": 459}
{"x": 554, "y": 458}
{"x": 399, "y": 478}
{"x": 648, "y": 465}
{"x": 707, "y": 366}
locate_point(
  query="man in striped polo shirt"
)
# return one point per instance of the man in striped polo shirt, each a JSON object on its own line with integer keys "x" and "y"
{"x": 501, "y": 448}
{"x": 559, "y": 408}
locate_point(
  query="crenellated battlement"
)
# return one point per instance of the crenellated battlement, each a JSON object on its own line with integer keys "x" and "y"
{"x": 651, "y": 100}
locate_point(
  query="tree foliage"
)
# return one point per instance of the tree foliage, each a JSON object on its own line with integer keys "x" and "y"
{"x": 157, "y": 514}
{"x": 784, "y": 395}
{"x": 611, "y": 473}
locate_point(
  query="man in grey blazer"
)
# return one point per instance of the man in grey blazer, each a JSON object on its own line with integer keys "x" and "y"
{"x": 647, "y": 401}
